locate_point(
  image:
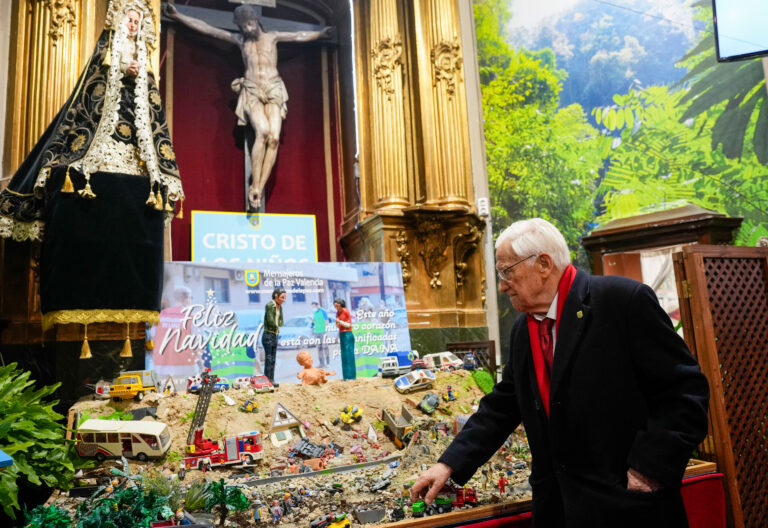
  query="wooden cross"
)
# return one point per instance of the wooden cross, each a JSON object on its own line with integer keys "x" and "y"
{"x": 224, "y": 20}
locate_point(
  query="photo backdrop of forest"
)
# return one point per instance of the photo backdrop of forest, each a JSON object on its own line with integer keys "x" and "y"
{"x": 596, "y": 110}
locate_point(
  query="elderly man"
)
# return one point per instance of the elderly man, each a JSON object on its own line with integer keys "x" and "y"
{"x": 611, "y": 399}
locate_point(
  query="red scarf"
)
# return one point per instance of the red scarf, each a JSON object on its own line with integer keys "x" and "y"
{"x": 542, "y": 377}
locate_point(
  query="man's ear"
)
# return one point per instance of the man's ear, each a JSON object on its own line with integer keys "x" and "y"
{"x": 545, "y": 263}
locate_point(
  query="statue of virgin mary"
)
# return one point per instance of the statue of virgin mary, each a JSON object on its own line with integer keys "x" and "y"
{"x": 99, "y": 184}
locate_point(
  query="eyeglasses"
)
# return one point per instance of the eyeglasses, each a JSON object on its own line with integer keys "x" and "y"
{"x": 502, "y": 274}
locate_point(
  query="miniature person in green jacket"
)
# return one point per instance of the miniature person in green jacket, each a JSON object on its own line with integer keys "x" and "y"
{"x": 273, "y": 320}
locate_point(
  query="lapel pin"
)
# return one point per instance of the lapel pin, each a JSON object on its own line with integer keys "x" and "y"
{"x": 579, "y": 314}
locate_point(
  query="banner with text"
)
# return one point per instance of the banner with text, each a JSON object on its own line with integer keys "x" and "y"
{"x": 252, "y": 237}
{"x": 213, "y": 317}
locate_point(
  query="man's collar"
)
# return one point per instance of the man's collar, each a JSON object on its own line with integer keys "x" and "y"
{"x": 551, "y": 313}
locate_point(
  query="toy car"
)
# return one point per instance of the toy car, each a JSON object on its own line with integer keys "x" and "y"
{"x": 441, "y": 505}
{"x": 307, "y": 449}
{"x": 134, "y": 384}
{"x": 331, "y": 520}
{"x": 443, "y": 361}
{"x": 419, "y": 363}
{"x": 415, "y": 380}
{"x": 419, "y": 508}
{"x": 429, "y": 403}
{"x": 261, "y": 384}
{"x": 100, "y": 389}
{"x": 219, "y": 386}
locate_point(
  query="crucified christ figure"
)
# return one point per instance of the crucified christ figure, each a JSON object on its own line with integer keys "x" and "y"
{"x": 262, "y": 94}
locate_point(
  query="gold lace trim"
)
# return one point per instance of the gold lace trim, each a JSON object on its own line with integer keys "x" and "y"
{"x": 121, "y": 157}
{"x": 99, "y": 316}
{"x": 20, "y": 231}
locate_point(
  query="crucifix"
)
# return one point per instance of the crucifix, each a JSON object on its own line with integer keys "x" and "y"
{"x": 262, "y": 97}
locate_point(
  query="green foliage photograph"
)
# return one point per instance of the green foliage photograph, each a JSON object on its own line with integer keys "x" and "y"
{"x": 598, "y": 111}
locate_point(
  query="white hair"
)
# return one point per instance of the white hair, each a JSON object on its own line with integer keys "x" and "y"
{"x": 533, "y": 237}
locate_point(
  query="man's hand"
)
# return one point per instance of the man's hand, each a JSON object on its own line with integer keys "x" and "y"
{"x": 430, "y": 482}
{"x": 636, "y": 481}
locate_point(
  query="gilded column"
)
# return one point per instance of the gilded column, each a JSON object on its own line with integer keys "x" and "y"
{"x": 385, "y": 162}
{"x": 443, "y": 104}
{"x": 45, "y": 62}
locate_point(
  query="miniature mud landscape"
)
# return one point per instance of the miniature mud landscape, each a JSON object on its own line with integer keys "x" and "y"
{"x": 353, "y": 468}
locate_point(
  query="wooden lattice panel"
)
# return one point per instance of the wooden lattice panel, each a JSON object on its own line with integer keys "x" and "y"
{"x": 739, "y": 306}
{"x": 727, "y": 305}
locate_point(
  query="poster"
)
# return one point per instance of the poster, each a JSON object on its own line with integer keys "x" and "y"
{"x": 213, "y": 315}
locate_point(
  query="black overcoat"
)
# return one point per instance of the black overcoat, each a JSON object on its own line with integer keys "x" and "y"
{"x": 625, "y": 392}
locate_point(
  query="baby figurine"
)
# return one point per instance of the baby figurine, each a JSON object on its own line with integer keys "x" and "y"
{"x": 311, "y": 375}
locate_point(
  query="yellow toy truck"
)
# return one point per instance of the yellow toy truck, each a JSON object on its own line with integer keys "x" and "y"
{"x": 134, "y": 384}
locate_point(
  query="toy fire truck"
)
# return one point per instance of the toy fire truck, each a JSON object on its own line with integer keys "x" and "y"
{"x": 204, "y": 453}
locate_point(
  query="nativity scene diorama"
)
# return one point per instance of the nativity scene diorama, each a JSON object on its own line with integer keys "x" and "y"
{"x": 265, "y": 390}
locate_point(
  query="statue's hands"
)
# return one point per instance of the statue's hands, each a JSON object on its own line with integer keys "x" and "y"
{"x": 132, "y": 69}
{"x": 170, "y": 10}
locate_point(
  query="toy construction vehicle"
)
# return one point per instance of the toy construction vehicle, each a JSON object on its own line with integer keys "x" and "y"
{"x": 349, "y": 415}
{"x": 250, "y": 406}
{"x": 134, "y": 384}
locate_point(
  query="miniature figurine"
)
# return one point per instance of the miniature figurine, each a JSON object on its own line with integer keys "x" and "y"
{"x": 311, "y": 375}
{"x": 449, "y": 394}
{"x": 250, "y": 406}
{"x": 287, "y": 504}
{"x": 502, "y": 483}
{"x": 277, "y": 512}
{"x": 180, "y": 518}
{"x": 406, "y": 493}
{"x": 486, "y": 476}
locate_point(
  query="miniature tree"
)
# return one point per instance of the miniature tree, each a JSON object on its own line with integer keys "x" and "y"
{"x": 30, "y": 432}
{"x": 47, "y": 517}
{"x": 124, "y": 506}
{"x": 224, "y": 498}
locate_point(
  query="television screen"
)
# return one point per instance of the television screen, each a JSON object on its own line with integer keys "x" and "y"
{"x": 741, "y": 28}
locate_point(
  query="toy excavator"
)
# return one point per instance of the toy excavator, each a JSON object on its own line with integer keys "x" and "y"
{"x": 349, "y": 415}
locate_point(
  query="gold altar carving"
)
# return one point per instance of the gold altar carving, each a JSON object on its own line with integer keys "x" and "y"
{"x": 63, "y": 14}
{"x": 434, "y": 240}
{"x": 415, "y": 172}
{"x": 463, "y": 246}
{"x": 387, "y": 64}
{"x": 446, "y": 61}
{"x": 404, "y": 255}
